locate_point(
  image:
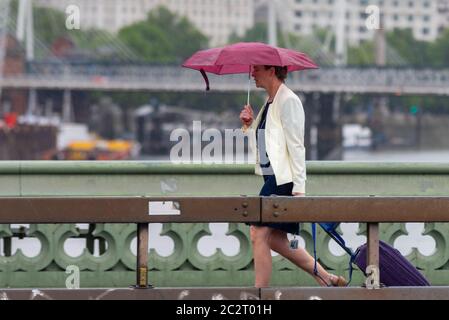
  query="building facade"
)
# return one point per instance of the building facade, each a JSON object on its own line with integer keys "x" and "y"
{"x": 426, "y": 18}
{"x": 443, "y": 15}
{"x": 217, "y": 19}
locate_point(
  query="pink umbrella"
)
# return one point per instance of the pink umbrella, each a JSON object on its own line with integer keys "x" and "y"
{"x": 239, "y": 57}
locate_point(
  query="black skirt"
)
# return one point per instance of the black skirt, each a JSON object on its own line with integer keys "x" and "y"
{"x": 271, "y": 188}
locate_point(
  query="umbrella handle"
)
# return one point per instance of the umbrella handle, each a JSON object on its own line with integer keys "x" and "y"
{"x": 245, "y": 127}
{"x": 249, "y": 84}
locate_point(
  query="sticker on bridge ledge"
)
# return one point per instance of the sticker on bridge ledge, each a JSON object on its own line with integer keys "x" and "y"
{"x": 163, "y": 208}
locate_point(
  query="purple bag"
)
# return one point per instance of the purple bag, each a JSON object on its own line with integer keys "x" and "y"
{"x": 395, "y": 269}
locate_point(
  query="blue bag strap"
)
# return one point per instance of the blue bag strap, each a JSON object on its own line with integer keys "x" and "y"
{"x": 330, "y": 227}
{"x": 315, "y": 268}
{"x": 330, "y": 230}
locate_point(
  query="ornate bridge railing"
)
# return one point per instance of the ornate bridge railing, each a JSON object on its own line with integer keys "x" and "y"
{"x": 115, "y": 266}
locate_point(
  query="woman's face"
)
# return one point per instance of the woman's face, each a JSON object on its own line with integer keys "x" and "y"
{"x": 261, "y": 76}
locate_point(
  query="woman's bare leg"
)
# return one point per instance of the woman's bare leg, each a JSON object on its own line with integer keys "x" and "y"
{"x": 300, "y": 257}
{"x": 263, "y": 265}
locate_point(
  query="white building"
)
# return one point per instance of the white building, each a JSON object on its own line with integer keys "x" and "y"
{"x": 443, "y": 14}
{"x": 426, "y": 18}
{"x": 217, "y": 19}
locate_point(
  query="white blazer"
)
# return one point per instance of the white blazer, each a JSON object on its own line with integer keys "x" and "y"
{"x": 284, "y": 139}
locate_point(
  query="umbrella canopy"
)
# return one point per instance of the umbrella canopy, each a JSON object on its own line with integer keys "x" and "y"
{"x": 239, "y": 57}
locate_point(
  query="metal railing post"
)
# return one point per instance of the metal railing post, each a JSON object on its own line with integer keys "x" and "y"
{"x": 372, "y": 256}
{"x": 142, "y": 255}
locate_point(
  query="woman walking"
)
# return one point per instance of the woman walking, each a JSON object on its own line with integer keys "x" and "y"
{"x": 280, "y": 159}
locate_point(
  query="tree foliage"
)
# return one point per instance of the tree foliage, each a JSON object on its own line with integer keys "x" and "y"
{"x": 49, "y": 24}
{"x": 364, "y": 54}
{"x": 163, "y": 37}
{"x": 439, "y": 50}
{"x": 413, "y": 52}
{"x": 258, "y": 33}
{"x": 312, "y": 44}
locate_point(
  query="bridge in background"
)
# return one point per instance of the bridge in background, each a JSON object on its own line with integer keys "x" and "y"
{"x": 323, "y": 90}
{"x": 119, "y": 77}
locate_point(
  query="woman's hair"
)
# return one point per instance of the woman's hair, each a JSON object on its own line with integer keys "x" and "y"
{"x": 281, "y": 72}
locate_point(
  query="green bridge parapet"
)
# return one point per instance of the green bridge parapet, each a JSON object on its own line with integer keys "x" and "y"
{"x": 113, "y": 265}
